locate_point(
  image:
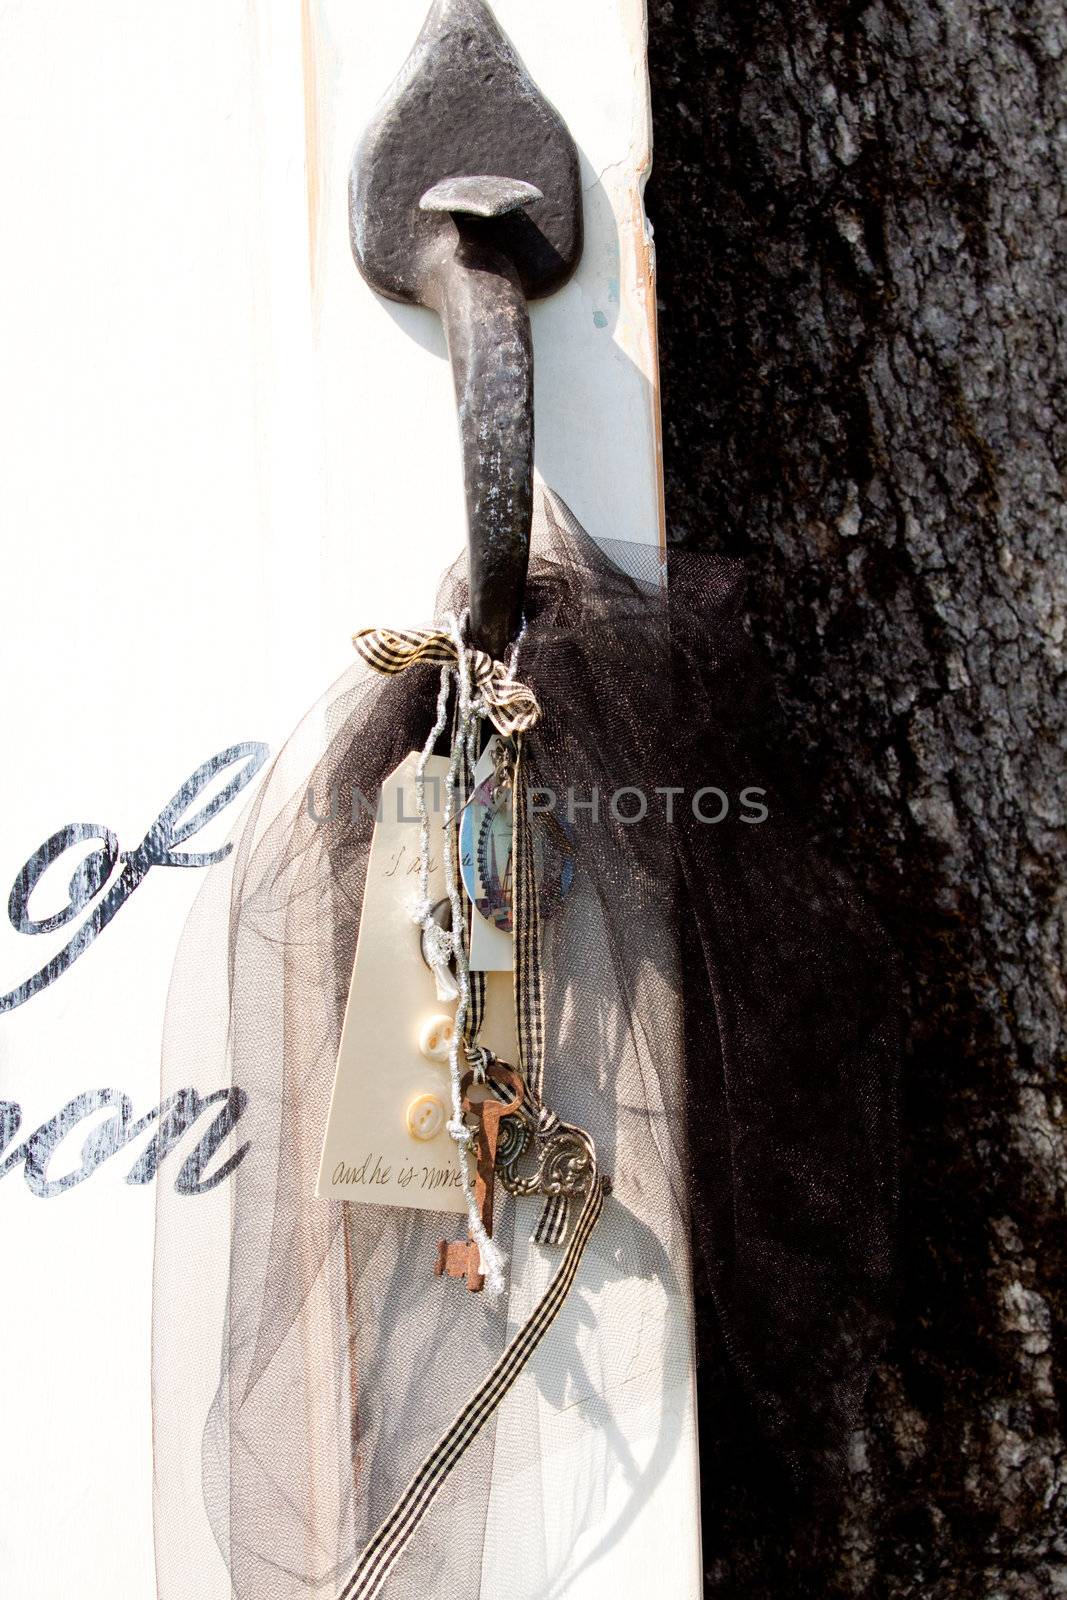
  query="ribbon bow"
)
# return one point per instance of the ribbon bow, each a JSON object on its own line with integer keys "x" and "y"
{"x": 511, "y": 707}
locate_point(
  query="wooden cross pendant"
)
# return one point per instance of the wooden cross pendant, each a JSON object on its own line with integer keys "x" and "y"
{"x": 462, "y": 1258}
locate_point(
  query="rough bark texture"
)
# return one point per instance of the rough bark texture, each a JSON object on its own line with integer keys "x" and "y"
{"x": 859, "y": 224}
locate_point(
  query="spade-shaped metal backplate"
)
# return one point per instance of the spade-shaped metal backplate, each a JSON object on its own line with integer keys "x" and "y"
{"x": 465, "y": 197}
{"x": 462, "y": 104}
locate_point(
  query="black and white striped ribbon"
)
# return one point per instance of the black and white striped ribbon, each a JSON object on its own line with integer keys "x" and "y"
{"x": 380, "y": 1555}
{"x": 526, "y": 923}
{"x": 529, "y": 1000}
{"x": 510, "y": 705}
{"x": 475, "y": 1013}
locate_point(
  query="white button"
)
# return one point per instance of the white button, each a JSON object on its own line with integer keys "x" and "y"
{"x": 426, "y": 1117}
{"x": 435, "y": 1037}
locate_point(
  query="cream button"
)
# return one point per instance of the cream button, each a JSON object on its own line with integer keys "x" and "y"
{"x": 426, "y": 1117}
{"x": 435, "y": 1037}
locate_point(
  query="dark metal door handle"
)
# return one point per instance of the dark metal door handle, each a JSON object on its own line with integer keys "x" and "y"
{"x": 465, "y": 197}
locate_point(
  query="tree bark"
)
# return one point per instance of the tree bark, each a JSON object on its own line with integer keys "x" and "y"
{"x": 859, "y": 227}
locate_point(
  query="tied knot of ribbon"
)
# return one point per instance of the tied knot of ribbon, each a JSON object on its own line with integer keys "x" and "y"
{"x": 511, "y": 706}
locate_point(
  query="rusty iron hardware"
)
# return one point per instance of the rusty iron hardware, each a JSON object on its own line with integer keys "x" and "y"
{"x": 462, "y": 1259}
{"x": 465, "y": 197}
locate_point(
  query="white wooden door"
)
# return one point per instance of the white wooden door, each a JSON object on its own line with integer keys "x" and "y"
{"x": 208, "y": 425}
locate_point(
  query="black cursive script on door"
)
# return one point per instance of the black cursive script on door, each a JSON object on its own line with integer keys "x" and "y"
{"x": 90, "y": 879}
{"x": 173, "y": 1119}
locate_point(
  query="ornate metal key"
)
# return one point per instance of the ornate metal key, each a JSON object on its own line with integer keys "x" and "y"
{"x": 461, "y": 1258}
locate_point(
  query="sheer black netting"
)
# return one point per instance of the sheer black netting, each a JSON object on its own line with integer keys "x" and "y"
{"x": 720, "y": 1015}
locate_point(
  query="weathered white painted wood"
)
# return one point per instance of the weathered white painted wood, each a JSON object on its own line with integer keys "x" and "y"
{"x": 210, "y": 424}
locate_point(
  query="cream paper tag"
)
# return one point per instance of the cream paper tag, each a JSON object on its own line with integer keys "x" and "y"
{"x": 384, "y": 1084}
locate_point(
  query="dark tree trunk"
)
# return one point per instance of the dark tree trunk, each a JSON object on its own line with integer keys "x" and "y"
{"x": 858, "y": 215}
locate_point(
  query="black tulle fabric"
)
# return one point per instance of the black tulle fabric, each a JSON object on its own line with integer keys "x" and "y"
{"x": 720, "y": 1014}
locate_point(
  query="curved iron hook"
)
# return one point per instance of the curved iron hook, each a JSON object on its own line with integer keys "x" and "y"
{"x": 465, "y": 197}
